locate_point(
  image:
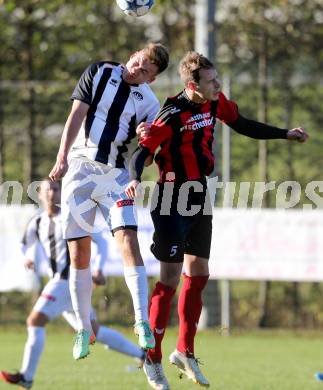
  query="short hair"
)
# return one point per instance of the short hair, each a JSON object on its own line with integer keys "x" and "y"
{"x": 158, "y": 55}
{"x": 190, "y": 65}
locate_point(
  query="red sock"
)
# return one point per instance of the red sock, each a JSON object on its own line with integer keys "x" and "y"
{"x": 189, "y": 311}
{"x": 160, "y": 305}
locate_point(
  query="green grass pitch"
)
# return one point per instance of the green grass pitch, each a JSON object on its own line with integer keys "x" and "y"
{"x": 276, "y": 360}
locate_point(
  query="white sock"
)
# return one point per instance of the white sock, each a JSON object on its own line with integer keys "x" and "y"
{"x": 80, "y": 283}
{"x": 33, "y": 350}
{"x": 136, "y": 280}
{"x": 116, "y": 341}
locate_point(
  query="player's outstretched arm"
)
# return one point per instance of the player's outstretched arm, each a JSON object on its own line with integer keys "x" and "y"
{"x": 229, "y": 114}
{"x": 257, "y": 130}
{"x": 71, "y": 129}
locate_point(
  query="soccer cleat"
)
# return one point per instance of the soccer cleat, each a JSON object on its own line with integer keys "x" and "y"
{"x": 15, "y": 379}
{"x": 188, "y": 366}
{"x": 155, "y": 375}
{"x": 146, "y": 338}
{"x": 81, "y": 345}
{"x": 318, "y": 376}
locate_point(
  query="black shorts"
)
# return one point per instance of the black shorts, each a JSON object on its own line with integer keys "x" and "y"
{"x": 176, "y": 234}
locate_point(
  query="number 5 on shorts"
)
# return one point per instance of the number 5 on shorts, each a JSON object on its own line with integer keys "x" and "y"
{"x": 173, "y": 250}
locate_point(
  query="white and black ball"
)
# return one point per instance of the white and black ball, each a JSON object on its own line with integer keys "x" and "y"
{"x": 135, "y": 7}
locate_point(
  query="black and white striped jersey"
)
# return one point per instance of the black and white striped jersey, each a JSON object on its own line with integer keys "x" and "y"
{"x": 47, "y": 231}
{"x": 116, "y": 108}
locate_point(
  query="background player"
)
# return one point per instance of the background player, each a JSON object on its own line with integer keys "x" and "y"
{"x": 45, "y": 228}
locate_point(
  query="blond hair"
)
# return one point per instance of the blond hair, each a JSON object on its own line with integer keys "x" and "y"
{"x": 158, "y": 55}
{"x": 190, "y": 66}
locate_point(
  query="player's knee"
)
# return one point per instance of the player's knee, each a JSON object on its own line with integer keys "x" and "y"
{"x": 36, "y": 319}
{"x": 196, "y": 266}
{"x": 170, "y": 280}
{"x": 170, "y": 274}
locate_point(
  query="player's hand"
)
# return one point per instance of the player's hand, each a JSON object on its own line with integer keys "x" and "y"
{"x": 297, "y": 134}
{"x": 29, "y": 264}
{"x": 59, "y": 169}
{"x": 143, "y": 130}
{"x": 133, "y": 189}
{"x": 98, "y": 278}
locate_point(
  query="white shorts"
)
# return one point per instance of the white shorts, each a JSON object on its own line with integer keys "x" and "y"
{"x": 89, "y": 186}
{"x": 55, "y": 299}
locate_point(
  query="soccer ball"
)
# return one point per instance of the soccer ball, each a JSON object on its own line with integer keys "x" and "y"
{"x": 135, "y": 7}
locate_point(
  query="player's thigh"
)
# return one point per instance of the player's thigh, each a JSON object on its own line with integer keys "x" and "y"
{"x": 78, "y": 208}
{"x": 169, "y": 237}
{"x": 54, "y": 299}
{"x": 199, "y": 237}
{"x": 117, "y": 209}
{"x": 123, "y": 214}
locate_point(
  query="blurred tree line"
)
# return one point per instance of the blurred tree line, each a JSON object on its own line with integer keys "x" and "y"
{"x": 271, "y": 51}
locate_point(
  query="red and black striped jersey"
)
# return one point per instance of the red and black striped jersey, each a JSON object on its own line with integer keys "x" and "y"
{"x": 184, "y": 130}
